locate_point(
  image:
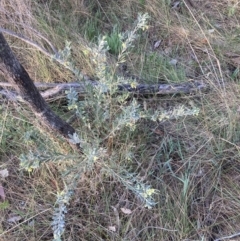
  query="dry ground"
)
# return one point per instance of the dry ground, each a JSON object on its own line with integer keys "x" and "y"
{"x": 193, "y": 161}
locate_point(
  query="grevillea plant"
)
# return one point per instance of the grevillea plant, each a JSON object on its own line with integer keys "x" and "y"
{"x": 103, "y": 114}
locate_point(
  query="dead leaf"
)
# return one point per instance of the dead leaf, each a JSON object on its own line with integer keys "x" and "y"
{"x": 4, "y": 173}
{"x": 157, "y": 44}
{"x": 126, "y": 210}
{"x": 176, "y": 5}
{"x": 112, "y": 228}
{"x": 2, "y": 193}
{"x": 14, "y": 219}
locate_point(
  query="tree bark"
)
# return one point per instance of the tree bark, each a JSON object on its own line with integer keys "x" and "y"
{"x": 19, "y": 78}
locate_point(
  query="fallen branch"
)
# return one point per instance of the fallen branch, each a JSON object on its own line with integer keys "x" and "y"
{"x": 54, "y": 89}
{"x": 165, "y": 89}
{"x": 143, "y": 89}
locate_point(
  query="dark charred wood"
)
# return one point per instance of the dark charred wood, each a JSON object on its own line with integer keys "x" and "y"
{"x": 19, "y": 78}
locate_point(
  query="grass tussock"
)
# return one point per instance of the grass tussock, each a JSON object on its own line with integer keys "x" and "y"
{"x": 141, "y": 177}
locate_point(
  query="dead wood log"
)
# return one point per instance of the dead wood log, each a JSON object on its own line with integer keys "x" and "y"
{"x": 19, "y": 78}
{"x": 55, "y": 89}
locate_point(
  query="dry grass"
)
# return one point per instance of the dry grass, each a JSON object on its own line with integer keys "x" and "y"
{"x": 195, "y": 163}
